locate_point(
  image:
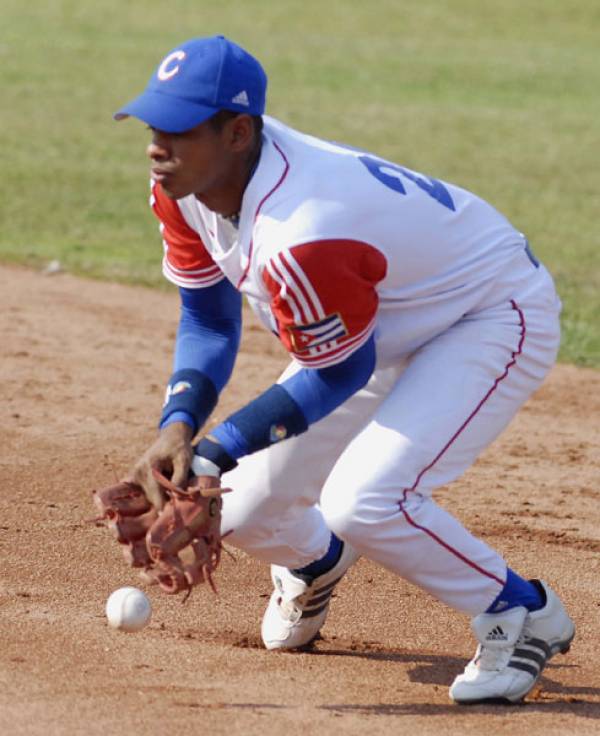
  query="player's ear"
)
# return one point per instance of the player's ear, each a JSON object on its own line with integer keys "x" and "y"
{"x": 240, "y": 133}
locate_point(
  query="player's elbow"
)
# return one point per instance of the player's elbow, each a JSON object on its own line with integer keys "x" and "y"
{"x": 354, "y": 372}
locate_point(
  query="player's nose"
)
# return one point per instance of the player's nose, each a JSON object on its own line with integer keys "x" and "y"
{"x": 158, "y": 148}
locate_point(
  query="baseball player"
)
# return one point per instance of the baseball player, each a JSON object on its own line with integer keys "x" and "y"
{"x": 418, "y": 321}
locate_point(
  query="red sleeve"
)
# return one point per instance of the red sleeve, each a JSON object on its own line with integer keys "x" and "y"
{"x": 186, "y": 261}
{"x": 324, "y": 299}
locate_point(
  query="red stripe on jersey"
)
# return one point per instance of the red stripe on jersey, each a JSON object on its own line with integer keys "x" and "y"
{"x": 258, "y": 209}
{"x": 316, "y": 309}
{"x": 192, "y": 280}
{"x": 280, "y": 285}
{"x": 187, "y": 262}
{"x": 322, "y": 280}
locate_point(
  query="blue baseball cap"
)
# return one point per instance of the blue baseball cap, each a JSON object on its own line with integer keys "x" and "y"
{"x": 196, "y": 80}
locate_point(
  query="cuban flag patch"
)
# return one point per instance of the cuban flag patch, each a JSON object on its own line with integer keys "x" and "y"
{"x": 307, "y": 337}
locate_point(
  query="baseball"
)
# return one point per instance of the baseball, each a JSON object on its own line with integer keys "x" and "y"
{"x": 128, "y": 609}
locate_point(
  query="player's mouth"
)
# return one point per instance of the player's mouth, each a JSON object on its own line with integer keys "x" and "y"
{"x": 160, "y": 174}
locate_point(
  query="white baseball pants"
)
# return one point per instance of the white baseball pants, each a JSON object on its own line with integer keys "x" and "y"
{"x": 367, "y": 471}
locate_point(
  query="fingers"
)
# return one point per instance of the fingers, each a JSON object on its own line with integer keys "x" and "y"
{"x": 171, "y": 454}
{"x": 142, "y": 475}
{"x": 154, "y": 492}
{"x": 181, "y": 469}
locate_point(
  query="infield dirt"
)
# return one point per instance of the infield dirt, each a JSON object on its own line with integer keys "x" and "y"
{"x": 81, "y": 382}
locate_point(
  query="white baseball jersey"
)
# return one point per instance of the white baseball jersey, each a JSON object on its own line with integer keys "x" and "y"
{"x": 334, "y": 243}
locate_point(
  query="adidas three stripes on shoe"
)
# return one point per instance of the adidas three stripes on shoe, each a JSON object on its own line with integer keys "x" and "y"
{"x": 298, "y": 606}
{"x": 514, "y": 647}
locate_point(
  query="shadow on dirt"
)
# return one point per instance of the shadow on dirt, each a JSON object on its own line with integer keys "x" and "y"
{"x": 579, "y": 708}
{"x": 439, "y": 669}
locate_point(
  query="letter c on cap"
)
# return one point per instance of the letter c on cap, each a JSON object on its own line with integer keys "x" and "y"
{"x": 164, "y": 72}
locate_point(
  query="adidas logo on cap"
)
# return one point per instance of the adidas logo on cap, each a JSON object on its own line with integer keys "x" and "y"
{"x": 241, "y": 98}
{"x": 496, "y": 634}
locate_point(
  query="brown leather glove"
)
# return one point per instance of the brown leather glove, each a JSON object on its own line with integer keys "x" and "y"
{"x": 191, "y": 518}
{"x": 129, "y": 515}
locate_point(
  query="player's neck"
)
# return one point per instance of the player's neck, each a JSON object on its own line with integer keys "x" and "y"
{"x": 226, "y": 199}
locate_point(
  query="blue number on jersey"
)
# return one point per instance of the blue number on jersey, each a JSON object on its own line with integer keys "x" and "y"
{"x": 391, "y": 176}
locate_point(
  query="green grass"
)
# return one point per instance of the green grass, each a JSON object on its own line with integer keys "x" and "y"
{"x": 498, "y": 97}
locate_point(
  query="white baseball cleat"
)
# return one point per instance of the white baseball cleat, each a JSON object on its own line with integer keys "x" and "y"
{"x": 298, "y": 607}
{"x": 513, "y": 650}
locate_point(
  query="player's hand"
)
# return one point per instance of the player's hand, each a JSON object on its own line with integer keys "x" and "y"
{"x": 171, "y": 454}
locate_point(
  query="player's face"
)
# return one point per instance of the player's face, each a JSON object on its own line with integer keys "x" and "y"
{"x": 198, "y": 161}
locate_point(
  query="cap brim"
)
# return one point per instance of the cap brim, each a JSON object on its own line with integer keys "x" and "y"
{"x": 164, "y": 112}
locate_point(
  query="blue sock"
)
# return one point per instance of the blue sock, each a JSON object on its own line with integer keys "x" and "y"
{"x": 518, "y": 592}
{"x": 320, "y": 567}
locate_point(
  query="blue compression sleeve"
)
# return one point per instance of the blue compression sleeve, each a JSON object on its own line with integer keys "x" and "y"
{"x": 288, "y": 408}
{"x": 209, "y": 331}
{"x": 207, "y": 343}
{"x": 318, "y": 392}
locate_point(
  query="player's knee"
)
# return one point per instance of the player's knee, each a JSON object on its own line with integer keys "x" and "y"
{"x": 342, "y": 514}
